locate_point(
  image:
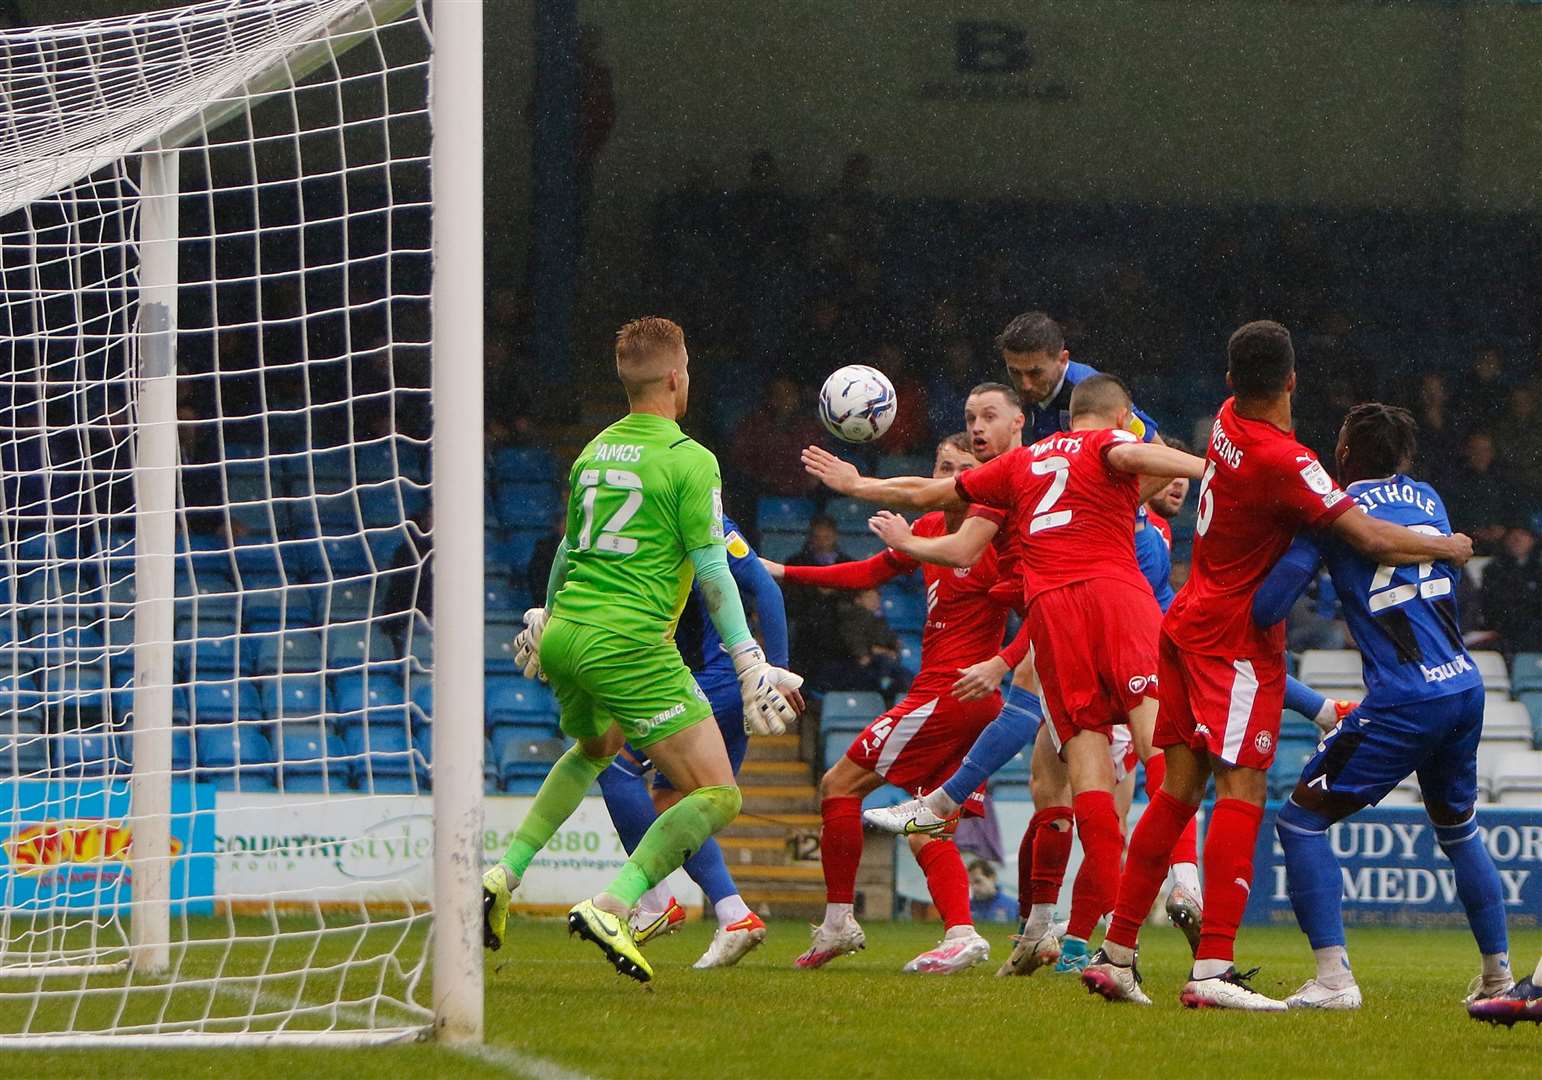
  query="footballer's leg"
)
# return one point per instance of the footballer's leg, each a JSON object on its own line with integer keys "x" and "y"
{"x": 693, "y": 758}
{"x": 1184, "y": 906}
{"x": 632, "y": 809}
{"x": 841, "y": 791}
{"x": 1091, "y": 774}
{"x": 947, "y": 881}
{"x": 1523, "y": 1001}
{"x": 1448, "y": 783}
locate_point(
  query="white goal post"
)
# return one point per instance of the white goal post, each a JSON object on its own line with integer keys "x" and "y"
{"x": 241, "y": 557}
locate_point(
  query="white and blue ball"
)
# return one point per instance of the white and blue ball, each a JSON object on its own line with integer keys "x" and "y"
{"x": 857, "y": 403}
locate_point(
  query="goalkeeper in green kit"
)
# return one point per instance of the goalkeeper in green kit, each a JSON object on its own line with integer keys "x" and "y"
{"x": 645, "y": 517}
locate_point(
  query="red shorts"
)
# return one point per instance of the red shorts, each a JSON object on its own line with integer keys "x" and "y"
{"x": 1094, "y": 651}
{"x": 1229, "y": 708}
{"x": 922, "y": 741}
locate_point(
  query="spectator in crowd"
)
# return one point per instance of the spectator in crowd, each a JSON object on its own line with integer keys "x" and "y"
{"x": 986, "y": 902}
{"x": 1512, "y": 591}
{"x": 1437, "y": 427}
{"x": 870, "y": 646}
{"x": 538, "y": 569}
{"x": 811, "y": 613}
{"x": 1483, "y": 389}
{"x": 1477, "y": 493}
{"x": 1518, "y": 437}
{"x": 767, "y": 451}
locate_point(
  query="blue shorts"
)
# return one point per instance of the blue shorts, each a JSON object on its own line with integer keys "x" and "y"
{"x": 1375, "y": 749}
{"x": 728, "y": 711}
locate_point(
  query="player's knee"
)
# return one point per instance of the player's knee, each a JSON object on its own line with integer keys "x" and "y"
{"x": 1294, "y": 820}
{"x": 833, "y": 785}
{"x": 1443, "y": 815}
{"x": 724, "y": 800}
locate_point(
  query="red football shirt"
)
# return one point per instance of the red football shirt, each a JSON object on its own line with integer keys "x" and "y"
{"x": 1260, "y": 487}
{"x": 963, "y": 625}
{"x": 1074, "y": 513}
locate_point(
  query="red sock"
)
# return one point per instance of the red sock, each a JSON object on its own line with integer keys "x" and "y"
{"x": 840, "y": 846}
{"x": 1025, "y": 872}
{"x": 1186, "y": 850}
{"x": 947, "y": 881}
{"x": 1051, "y": 851}
{"x": 1145, "y": 865}
{"x": 1097, "y": 882}
{"x": 1229, "y": 843}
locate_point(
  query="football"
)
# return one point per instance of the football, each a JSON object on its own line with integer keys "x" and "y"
{"x": 857, "y": 403}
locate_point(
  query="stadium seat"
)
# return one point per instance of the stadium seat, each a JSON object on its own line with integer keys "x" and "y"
{"x": 1508, "y": 720}
{"x": 383, "y": 759}
{"x": 291, "y": 651}
{"x": 235, "y": 757}
{"x": 23, "y": 754}
{"x": 1497, "y": 742}
{"x": 347, "y": 556}
{"x": 498, "y": 647}
{"x": 904, "y": 612}
{"x": 526, "y": 759}
{"x": 903, "y": 465}
{"x": 522, "y": 464}
{"x": 311, "y": 760}
{"x": 1325, "y": 670}
{"x": 850, "y": 514}
{"x": 85, "y": 753}
{"x": 294, "y": 697}
{"x": 779, "y": 514}
{"x": 357, "y": 645}
{"x": 518, "y": 701}
{"x": 350, "y": 601}
{"x": 779, "y": 546}
{"x": 1526, "y": 673}
{"x": 273, "y": 609}
{"x": 526, "y": 505}
{"x": 861, "y": 545}
{"x": 500, "y": 600}
{"x": 420, "y": 691}
{"x": 910, "y": 652}
{"x": 1517, "y": 778}
{"x": 224, "y": 702}
{"x": 850, "y": 710}
{"x": 375, "y": 699}
{"x": 1491, "y": 665}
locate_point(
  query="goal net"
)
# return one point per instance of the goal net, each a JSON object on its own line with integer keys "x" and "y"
{"x": 216, "y": 529}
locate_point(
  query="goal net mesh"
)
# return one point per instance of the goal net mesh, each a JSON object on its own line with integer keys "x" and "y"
{"x": 300, "y": 703}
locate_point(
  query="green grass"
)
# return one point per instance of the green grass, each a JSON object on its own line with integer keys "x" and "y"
{"x": 554, "y": 999}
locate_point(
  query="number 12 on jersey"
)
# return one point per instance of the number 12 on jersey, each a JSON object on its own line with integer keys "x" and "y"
{"x": 610, "y": 538}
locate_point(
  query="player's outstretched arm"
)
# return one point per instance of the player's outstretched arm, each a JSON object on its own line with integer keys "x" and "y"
{"x": 1286, "y": 582}
{"x": 907, "y": 492}
{"x": 1158, "y": 465}
{"x": 770, "y": 694}
{"x": 1394, "y": 545}
{"x": 961, "y": 548}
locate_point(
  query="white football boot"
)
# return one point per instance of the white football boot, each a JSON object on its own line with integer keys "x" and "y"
{"x": 952, "y": 955}
{"x": 732, "y": 943}
{"x": 909, "y": 818}
{"x": 828, "y": 944}
{"x": 1315, "y": 995}
{"x": 1228, "y": 990}
{"x": 1030, "y": 952}
{"x": 1113, "y": 982}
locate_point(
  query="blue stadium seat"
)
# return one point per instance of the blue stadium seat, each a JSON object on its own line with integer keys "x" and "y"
{"x": 291, "y": 651}
{"x": 778, "y": 514}
{"x": 517, "y": 700}
{"x": 501, "y": 601}
{"x": 375, "y": 700}
{"x": 294, "y": 697}
{"x": 272, "y": 609}
{"x": 234, "y": 757}
{"x": 311, "y": 760}
{"x": 86, "y": 753}
{"x": 850, "y": 710}
{"x": 256, "y": 562}
{"x": 861, "y": 545}
{"x": 904, "y": 612}
{"x": 347, "y": 556}
{"x": 498, "y": 647}
{"x": 357, "y": 645}
{"x": 377, "y": 460}
{"x": 1532, "y": 699}
{"x": 217, "y": 655}
{"x": 23, "y": 754}
{"x": 910, "y": 652}
{"x": 527, "y": 505}
{"x": 421, "y": 694}
{"x": 903, "y": 465}
{"x": 223, "y": 702}
{"x": 383, "y": 759}
{"x": 780, "y": 546}
{"x": 1526, "y": 673}
{"x": 850, "y": 514}
{"x": 523, "y": 464}
{"x": 525, "y": 758}
{"x": 349, "y": 601}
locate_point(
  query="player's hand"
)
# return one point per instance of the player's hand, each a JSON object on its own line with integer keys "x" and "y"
{"x": 770, "y": 694}
{"x": 1461, "y": 549}
{"x": 980, "y": 680}
{"x": 891, "y": 529}
{"x": 835, "y": 474}
{"x": 775, "y": 569}
{"x": 527, "y": 644}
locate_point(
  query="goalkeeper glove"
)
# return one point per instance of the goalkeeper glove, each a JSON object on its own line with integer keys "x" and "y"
{"x": 527, "y": 645}
{"x": 770, "y": 694}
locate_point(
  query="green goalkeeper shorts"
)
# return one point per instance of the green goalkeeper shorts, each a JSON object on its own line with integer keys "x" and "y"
{"x": 601, "y": 678}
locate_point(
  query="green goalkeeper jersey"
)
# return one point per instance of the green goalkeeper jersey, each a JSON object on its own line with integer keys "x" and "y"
{"x": 644, "y": 495}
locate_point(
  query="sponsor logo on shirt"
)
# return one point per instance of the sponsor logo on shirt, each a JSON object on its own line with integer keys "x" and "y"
{"x": 668, "y": 714}
{"x": 1331, "y": 499}
{"x": 1317, "y": 478}
{"x": 1140, "y": 683}
{"x": 737, "y": 547}
{"x": 1449, "y": 670}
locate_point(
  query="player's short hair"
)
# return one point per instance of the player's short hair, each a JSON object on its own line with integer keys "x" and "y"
{"x": 1380, "y": 439}
{"x": 1099, "y": 395}
{"x": 1260, "y": 358}
{"x": 645, "y": 349}
{"x": 1031, "y": 332}
{"x": 1011, "y": 396}
{"x": 959, "y": 440}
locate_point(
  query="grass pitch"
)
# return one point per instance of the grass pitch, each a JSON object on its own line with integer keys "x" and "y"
{"x": 556, "y": 1012}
